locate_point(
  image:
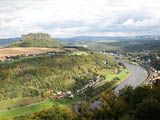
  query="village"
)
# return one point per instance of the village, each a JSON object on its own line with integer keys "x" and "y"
{"x": 154, "y": 75}
{"x": 69, "y": 94}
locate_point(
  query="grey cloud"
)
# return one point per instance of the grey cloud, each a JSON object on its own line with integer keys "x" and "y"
{"x": 15, "y": 18}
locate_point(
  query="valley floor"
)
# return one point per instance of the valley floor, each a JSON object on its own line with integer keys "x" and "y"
{"x": 30, "y": 109}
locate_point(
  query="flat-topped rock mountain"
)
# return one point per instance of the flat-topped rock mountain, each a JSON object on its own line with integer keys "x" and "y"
{"x": 37, "y": 36}
{"x": 37, "y": 40}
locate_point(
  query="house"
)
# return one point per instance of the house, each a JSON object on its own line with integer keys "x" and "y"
{"x": 68, "y": 92}
{"x": 71, "y": 96}
{"x": 50, "y": 91}
{"x": 115, "y": 71}
{"x": 97, "y": 80}
{"x": 98, "y": 77}
{"x": 86, "y": 86}
{"x": 158, "y": 72}
{"x": 59, "y": 93}
{"x": 78, "y": 91}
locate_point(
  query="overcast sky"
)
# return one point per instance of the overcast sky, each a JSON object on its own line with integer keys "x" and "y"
{"x": 67, "y": 18}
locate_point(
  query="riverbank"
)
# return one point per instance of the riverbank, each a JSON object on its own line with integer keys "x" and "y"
{"x": 137, "y": 77}
{"x": 109, "y": 78}
{"x": 95, "y": 101}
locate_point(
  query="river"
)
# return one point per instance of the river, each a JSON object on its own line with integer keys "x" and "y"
{"x": 136, "y": 78}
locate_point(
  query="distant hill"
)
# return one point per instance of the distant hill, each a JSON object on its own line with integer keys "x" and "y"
{"x": 77, "y": 40}
{"x": 88, "y": 39}
{"x": 7, "y": 41}
{"x": 37, "y": 40}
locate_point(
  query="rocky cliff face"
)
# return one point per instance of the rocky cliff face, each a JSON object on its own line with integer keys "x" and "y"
{"x": 36, "y": 36}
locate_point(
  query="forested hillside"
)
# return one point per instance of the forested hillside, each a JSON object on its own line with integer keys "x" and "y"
{"x": 36, "y": 76}
{"x": 125, "y": 46}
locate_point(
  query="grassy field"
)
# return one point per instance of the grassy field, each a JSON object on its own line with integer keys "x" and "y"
{"x": 79, "y": 53}
{"x": 67, "y": 101}
{"x": 124, "y": 74}
{"x": 13, "y": 103}
{"x": 22, "y": 58}
{"x": 25, "y": 110}
{"x": 69, "y": 83}
{"x": 110, "y": 76}
{"x": 30, "y": 50}
{"x": 29, "y": 110}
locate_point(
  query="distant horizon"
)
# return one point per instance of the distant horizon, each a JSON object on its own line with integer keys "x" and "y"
{"x": 84, "y": 36}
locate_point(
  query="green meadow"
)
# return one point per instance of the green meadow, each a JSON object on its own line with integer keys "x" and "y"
{"x": 110, "y": 76}
{"x": 29, "y": 110}
{"x": 25, "y": 110}
{"x": 79, "y": 53}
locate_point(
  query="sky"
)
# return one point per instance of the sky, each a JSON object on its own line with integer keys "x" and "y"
{"x": 69, "y": 18}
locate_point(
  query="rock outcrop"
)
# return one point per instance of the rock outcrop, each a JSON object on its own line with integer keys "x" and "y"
{"x": 36, "y": 36}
